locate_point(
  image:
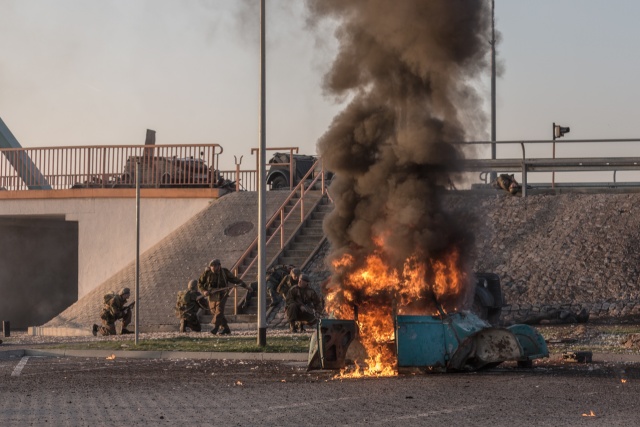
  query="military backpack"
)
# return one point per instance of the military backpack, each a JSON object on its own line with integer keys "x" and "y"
{"x": 180, "y": 307}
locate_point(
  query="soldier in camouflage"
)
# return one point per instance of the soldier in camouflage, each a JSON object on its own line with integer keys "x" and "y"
{"x": 114, "y": 309}
{"x": 303, "y": 305}
{"x": 288, "y": 282}
{"x": 508, "y": 183}
{"x": 215, "y": 283}
{"x": 188, "y": 305}
{"x": 274, "y": 276}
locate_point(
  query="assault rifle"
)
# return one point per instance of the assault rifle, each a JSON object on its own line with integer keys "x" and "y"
{"x": 202, "y": 302}
{"x": 128, "y": 307}
{"x": 215, "y": 291}
{"x": 311, "y": 310}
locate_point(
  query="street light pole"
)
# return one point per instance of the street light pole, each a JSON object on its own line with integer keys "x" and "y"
{"x": 137, "y": 296}
{"x": 493, "y": 85}
{"x": 262, "y": 216}
{"x": 553, "y": 174}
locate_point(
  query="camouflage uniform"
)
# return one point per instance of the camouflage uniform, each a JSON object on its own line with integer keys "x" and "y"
{"x": 300, "y": 303}
{"x": 113, "y": 310}
{"x": 191, "y": 302}
{"x": 274, "y": 277}
{"x": 507, "y": 183}
{"x": 209, "y": 281}
{"x": 288, "y": 282}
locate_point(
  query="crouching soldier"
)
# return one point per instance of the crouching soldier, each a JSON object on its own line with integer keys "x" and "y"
{"x": 274, "y": 276}
{"x": 115, "y": 309}
{"x": 188, "y": 306}
{"x": 303, "y": 305}
{"x": 288, "y": 282}
{"x": 508, "y": 183}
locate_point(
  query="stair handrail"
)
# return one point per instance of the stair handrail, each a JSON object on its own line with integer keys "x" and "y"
{"x": 280, "y": 213}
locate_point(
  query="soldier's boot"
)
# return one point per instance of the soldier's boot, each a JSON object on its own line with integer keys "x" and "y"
{"x": 225, "y": 330}
{"x": 292, "y": 327}
{"x": 125, "y": 331}
{"x": 94, "y": 330}
{"x": 215, "y": 329}
{"x": 182, "y": 326}
{"x": 301, "y": 326}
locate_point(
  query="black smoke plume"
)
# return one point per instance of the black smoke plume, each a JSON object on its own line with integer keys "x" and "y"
{"x": 409, "y": 69}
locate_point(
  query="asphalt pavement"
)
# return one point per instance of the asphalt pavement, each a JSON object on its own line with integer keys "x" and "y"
{"x": 99, "y": 391}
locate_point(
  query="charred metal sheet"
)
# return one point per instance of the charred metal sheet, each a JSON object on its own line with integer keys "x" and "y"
{"x": 329, "y": 344}
{"x": 495, "y": 345}
{"x": 423, "y": 341}
{"x": 462, "y": 341}
{"x": 532, "y": 343}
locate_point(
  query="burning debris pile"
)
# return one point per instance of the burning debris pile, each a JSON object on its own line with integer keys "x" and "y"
{"x": 408, "y": 68}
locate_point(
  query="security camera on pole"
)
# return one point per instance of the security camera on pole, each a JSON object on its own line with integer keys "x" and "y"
{"x": 558, "y": 132}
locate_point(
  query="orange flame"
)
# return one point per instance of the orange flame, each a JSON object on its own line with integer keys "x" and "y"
{"x": 379, "y": 291}
{"x": 590, "y": 414}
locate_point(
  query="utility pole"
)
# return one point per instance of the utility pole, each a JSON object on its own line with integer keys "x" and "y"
{"x": 493, "y": 86}
{"x": 262, "y": 196}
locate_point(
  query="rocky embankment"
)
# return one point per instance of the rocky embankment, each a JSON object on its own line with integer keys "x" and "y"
{"x": 568, "y": 251}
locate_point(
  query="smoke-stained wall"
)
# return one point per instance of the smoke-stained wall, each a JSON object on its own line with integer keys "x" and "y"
{"x": 38, "y": 269}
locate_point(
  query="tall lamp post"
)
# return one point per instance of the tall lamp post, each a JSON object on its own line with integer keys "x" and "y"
{"x": 493, "y": 86}
{"x": 262, "y": 192}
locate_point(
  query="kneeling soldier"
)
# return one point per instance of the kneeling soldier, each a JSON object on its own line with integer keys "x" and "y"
{"x": 303, "y": 305}
{"x": 114, "y": 309}
{"x": 189, "y": 303}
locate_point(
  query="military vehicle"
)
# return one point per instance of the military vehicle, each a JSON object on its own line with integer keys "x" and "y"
{"x": 279, "y": 175}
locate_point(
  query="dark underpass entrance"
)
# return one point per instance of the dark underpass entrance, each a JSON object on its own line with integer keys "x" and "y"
{"x": 38, "y": 269}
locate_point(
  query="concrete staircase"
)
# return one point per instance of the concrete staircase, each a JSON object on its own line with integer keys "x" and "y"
{"x": 302, "y": 239}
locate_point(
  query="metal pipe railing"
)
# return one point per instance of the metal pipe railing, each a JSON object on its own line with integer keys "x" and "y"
{"x": 107, "y": 166}
{"x": 303, "y": 187}
{"x": 551, "y": 165}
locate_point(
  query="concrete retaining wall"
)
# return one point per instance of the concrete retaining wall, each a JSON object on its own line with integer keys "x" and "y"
{"x": 107, "y": 226}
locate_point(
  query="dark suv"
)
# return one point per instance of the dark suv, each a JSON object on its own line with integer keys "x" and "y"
{"x": 278, "y": 176}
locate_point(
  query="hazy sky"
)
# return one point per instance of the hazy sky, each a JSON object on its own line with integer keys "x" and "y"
{"x": 84, "y": 72}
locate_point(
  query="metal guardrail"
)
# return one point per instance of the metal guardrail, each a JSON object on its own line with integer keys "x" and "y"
{"x": 108, "y": 166}
{"x": 526, "y": 166}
